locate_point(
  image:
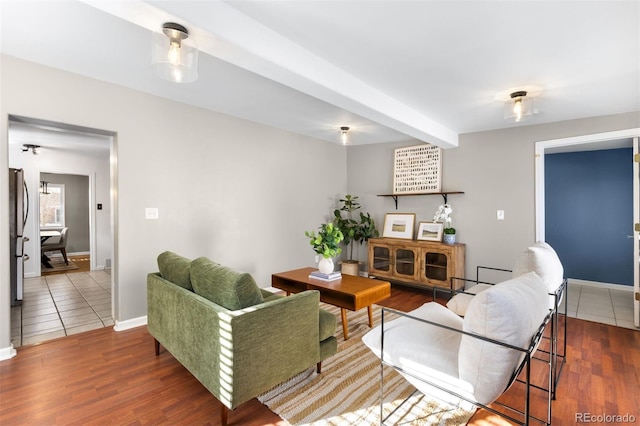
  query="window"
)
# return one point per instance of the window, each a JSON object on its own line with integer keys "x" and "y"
{"x": 52, "y": 206}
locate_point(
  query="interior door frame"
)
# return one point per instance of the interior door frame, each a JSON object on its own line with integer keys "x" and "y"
{"x": 636, "y": 233}
{"x": 540, "y": 150}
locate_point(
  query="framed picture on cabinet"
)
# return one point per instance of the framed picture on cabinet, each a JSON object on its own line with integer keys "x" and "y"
{"x": 399, "y": 225}
{"x": 430, "y": 231}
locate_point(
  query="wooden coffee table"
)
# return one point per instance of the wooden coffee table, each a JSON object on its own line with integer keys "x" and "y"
{"x": 349, "y": 292}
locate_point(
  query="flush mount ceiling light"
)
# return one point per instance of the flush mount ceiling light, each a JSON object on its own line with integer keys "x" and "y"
{"x": 172, "y": 58}
{"x": 35, "y": 149}
{"x": 519, "y": 108}
{"x": 344, "y": 135}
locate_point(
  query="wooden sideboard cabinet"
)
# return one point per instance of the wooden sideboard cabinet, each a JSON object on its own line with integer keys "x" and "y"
{"x": 426, "y": 263}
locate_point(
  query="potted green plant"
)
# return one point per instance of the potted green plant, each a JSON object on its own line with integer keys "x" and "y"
{"x": 444, "y": 214}
{"x": 353, "y": 230}
{"x": 327, "y": 244}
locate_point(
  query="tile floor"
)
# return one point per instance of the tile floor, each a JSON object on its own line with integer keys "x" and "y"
{"x": 600, "y": 304}
{"x": 60, "y": 305}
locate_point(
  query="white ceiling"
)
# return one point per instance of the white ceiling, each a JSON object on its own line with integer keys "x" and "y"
{"x": 391, "y": 70}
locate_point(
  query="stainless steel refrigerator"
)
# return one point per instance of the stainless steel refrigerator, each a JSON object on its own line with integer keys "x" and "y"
{"x": 18, "y": 212}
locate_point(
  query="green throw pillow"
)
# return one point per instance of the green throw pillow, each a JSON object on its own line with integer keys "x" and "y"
{"x": 175, "y": 268}
{"x": 224, "y": 286}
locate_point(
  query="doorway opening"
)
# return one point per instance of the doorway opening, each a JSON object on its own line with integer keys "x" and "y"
{"x": 80, "y": 161}
{"x": 624, "y": 307}
{"x": 65, "y": 222}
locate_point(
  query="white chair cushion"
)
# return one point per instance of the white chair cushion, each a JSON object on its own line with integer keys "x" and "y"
{"x": 542, "y": 259}
{"x": 460, "y": 302}
{"x": 423, "y": 349}
{"x": 509, "y": 312}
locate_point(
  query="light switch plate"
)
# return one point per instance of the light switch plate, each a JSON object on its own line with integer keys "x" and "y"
{"x": 500, "y": 215}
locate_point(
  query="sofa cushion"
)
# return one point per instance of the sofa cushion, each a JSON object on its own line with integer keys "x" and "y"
{"x": 417, "y": 346}
{"x": 175, "y": 268}
{"x": 542, "y": 259}
{"x": 423, "y": 350}
{"x": 223, "y": 286}
{"x": 509, "y": 312}
{"x": 460, "y": 302}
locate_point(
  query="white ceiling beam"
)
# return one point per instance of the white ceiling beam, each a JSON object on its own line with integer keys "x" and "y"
{"x": 223, "y": 32}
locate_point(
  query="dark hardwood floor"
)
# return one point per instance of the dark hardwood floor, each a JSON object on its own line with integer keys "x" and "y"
{"x": 103, "y": 377}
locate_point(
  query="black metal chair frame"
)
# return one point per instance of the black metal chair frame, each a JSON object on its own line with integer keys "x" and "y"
{"x": 557, "y": 357}
{"x": 524, "y": 365}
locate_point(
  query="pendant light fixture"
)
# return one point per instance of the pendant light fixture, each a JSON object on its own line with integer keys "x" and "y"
{"x": 172, "y": 58}
{"x": 344, "y": 135}
{"x": 519, "y": 108}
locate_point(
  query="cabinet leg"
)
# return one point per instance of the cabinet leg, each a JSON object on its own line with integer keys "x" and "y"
{"x": 370, "y": 311}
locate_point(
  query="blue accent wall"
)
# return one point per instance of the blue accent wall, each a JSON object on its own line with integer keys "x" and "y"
{"x": 589, "y": 213}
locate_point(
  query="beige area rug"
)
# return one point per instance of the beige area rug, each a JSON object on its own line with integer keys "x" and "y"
{"x": 348, "y": 390}
{"x": 58, "y": 265}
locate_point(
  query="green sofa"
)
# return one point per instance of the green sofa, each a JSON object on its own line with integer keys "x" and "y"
{"x": 238, "y": 340}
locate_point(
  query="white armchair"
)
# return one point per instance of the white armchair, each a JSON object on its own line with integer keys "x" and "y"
{"x": 475, "y": 358}
{"x": 542, "y": 259}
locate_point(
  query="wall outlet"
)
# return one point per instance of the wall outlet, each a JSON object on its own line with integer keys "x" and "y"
{"x": 151, "y": 213}
{"x": 500, "y": 215}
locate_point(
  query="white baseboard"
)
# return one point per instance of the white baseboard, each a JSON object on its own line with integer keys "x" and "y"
{"x": 7, "y": 353}
{"x": 129, "y": 324}
{"x": 600, "y": 285}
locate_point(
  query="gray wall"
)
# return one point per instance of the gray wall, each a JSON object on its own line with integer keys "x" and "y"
{"x": 495, "y": 169}
{"x": 238, "y": 192}
{"x": 76, "y": 209}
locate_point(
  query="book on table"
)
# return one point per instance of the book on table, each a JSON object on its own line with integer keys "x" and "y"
{"x": 326, "y": 277}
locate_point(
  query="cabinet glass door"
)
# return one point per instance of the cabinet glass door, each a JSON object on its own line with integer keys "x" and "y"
{"x": 435, "y": 266}
{"x": 382, "y": 259}
{"x": 405, "y": 262}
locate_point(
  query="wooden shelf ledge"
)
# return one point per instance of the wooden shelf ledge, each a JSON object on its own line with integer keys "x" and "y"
{"x": 444, "y": 195}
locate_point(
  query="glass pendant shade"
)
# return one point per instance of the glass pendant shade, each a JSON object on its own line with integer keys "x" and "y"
{"x": 344, "y": 135}
{"x": 172, "y": 58}
{"x": 518, "y": 108}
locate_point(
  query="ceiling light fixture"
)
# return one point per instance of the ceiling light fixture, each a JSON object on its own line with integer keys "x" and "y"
{"x": 175, "y": 61}
{"x": 519, "y": 108}
{"x": 35, "y": 149}
{"x": 344, "y": 135}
